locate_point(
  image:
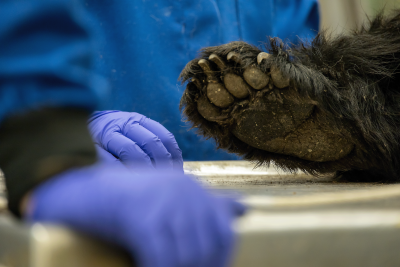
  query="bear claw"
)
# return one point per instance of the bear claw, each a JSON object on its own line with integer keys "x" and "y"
{"x": 233, "y": 56}
{"x": 205, "y": 65}
{"x": 217, "y": 60}
{"x": 261, "y": 57}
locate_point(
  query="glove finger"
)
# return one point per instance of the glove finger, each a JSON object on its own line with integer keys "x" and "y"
{"x": 104, "y": 155}
{"x": 195, "y": 227}
{"x": 127, "y": 151}
{"x": 155, "y": 241}
{"x": 155, "y": 251}
{"x": 213, "y": 218}
{"x": 186, "y": 238}
{"x": 237, "y": 208}
{"x": 168, "y": 140}
{"x": 150, "y": 144}
{"x": 224, "y": 215}
{"x": 217, "y": 235}
{"x": 171, "y": 223}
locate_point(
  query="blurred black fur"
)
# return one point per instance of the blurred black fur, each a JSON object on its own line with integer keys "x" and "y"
{"x": 353, "y": 78}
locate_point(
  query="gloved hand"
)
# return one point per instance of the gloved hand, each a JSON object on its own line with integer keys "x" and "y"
{"x": 163, "y": 219}
{"x": 135, "y": 140}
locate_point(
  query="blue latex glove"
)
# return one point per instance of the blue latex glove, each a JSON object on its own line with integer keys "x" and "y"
{"x": 163, "y": 219}
{"x": 135, "y": 140}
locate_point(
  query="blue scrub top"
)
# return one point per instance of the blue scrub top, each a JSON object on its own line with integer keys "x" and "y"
{"x": 140, "y": 47}
{"x": 147, "y": 44}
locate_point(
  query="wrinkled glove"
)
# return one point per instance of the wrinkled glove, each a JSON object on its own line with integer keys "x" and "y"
{"x": 162, "y": 219}
{"x": 135, "y": 140}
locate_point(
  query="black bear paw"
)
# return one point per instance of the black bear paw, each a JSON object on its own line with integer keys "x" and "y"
{"x": 240, "y": 89}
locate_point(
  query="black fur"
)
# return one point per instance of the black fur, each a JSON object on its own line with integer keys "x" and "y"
{"x": 353, "y": 79}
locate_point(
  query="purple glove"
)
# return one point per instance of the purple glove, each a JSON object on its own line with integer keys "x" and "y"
{"x": 163, "y": 219}
{"x": 135, "y": 140}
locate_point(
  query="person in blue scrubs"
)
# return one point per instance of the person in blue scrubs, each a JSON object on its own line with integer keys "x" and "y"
{"x": 146, "y": 44}
{"x": 62, "y": 59}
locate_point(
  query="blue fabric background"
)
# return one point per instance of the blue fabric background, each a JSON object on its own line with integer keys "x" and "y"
{"x": 51, "y": 52}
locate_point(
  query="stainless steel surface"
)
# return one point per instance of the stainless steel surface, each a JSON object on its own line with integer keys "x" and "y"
{"x": 299, "y": 220}
{"x": 14, "y": 243}
{"x": 42, "y": 245}
{"x": 295, "y": 220}
{"x": 52, "y": 246}
{"x": 275, "y": 190}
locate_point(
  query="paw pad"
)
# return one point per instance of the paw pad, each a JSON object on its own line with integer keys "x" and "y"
{"x": 256, "y": 78}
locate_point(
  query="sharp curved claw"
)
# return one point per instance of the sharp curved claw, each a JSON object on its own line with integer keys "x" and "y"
{"x": 197, "y": 83}
{"x": 261, "y": 57}
{"x": 205, "y": 65}
{"x": 234, "y": 56}
{"x": 217, "y": 60}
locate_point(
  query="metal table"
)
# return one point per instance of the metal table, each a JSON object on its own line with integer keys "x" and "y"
{"x": 295, "y": 220}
